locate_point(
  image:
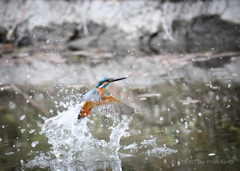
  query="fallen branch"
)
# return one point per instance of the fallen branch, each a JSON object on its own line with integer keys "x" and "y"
{"x": 34, "y": 103}
{"x": 10, "y": 32}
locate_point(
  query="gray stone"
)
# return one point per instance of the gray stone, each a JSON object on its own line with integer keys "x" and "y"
{"x": 212, "y": 33}
{"x": 3, "y": 33}
{"x": 151, "y": 26}
{"x": 83, "y": 43}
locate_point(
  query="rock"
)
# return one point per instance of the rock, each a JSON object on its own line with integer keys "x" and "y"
{"x": 161, "y": 44}
{"x": 3, "y": 33}
{"x": 92, "y": 28}
{"x": 147, "y": 26}
{"x": 107, "y": 38}
{"x": 83, "y": 43}
{"x": 216, "y": 60}
{"x": 207, "y": 33}
{"x": 53, "y": 33}
{"x": 204, "y": 33}
{"x": 117, "y": 41}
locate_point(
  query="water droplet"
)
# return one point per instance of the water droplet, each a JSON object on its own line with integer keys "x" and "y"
{"x": 22, "y": 130}
{"x": 28, "y": 76}
{"x": 165, "y": 161}
{"x": 199, "y": 114}
{"x": 217, "y": 97}
{"x": 34, "y": 143}
{"x": 47, "y": 41}
{"x": 161, "y": 118}
{"x": 211, "y": 154}
{"x": 9, "y": 153}
{"x": 22, "y": 117}
{"x": 31, "y": 131}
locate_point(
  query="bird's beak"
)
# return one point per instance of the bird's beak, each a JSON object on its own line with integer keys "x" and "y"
{"x": 118, "y": 79}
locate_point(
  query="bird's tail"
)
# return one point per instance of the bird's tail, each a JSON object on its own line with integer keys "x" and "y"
{"x": 83, "y": 113}
{"x": 79, "y": 115}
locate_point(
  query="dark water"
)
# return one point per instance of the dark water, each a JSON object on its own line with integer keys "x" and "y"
{"x": 178, "y": 126}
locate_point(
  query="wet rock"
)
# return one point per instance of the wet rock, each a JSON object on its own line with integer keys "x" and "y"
{"x": 91, "y": 28}
{"x": 203, "y": 33}
{"x": 3, "y": 33}
{"x": 82, "y": 43}
{"x": 150, "y": 27}
{"x": 215, "y": 61}
{"x": 107, "y": 38}
{"x": 160, "y": 44}
{"x": 117, "y": 41}
{"x": 212, "y": 33}
{"x": 148, "y": 45}
{"x": 23, "y": 39}
{"x": 53, "y": 33}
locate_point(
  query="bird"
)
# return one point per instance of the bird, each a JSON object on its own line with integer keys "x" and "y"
{"x": 95, "y": 100}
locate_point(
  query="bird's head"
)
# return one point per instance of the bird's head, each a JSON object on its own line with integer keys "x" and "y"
{"x": 106, "y": 81}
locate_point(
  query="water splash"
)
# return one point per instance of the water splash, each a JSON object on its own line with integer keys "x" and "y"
{"x": 74, "y": 146}
{"x": 72, "y": 140}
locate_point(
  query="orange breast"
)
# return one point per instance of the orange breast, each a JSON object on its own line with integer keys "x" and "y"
{"x": 100, "y": 90}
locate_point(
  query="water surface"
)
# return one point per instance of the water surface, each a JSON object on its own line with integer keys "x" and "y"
{"x": 177, "y": 127}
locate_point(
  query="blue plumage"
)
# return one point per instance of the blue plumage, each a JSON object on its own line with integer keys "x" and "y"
{"x": 102, "y": 103}
{"x": 103, "y": 81}
{"x": 93, "y": 95}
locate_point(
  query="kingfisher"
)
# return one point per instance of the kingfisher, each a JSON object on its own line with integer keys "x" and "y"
{"x": 95, "y": 100}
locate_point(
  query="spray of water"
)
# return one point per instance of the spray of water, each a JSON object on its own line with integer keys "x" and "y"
{"x": 74, "y": 146}
{"x": 72, "y": 140}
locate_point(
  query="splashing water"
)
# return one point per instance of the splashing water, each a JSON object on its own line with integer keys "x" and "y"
{"x": 74, "y": 146}
{"x": 72, "y": 140}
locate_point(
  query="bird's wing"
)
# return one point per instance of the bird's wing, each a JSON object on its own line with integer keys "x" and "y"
{"x": 110, "y": 105}
{"x": 114, "y": 107}
{"x": 92, "y": 95}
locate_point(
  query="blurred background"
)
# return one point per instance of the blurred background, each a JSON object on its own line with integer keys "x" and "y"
{"x": 182, "y": 60}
